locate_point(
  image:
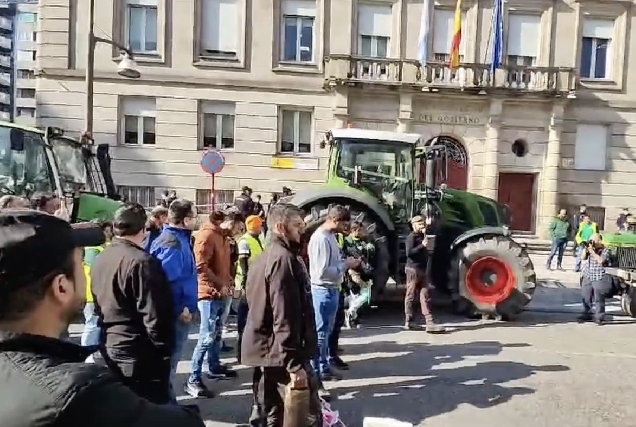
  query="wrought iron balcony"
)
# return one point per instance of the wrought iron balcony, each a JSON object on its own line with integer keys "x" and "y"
{"x": 438, "y": 76}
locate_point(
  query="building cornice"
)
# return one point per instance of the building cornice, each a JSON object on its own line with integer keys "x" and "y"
{"x": 186, "y": 81}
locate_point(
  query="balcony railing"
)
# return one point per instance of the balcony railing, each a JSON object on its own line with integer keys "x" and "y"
{"x": 345, "y": 69}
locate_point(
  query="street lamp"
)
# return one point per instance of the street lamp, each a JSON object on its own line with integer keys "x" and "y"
{"x": 126, "y": 68}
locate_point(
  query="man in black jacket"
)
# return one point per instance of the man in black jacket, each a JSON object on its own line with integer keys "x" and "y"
{"x": 44, "y": 380}
{"x": 135, "y": 308}
{"x": 244, "y": 203}
{"x": 280, "y": 334}
{"x": 416, "y": 277}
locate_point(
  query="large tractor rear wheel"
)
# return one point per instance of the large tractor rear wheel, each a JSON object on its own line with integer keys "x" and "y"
{"x": 493, "y": 276}
{"x": 376, "y": 234}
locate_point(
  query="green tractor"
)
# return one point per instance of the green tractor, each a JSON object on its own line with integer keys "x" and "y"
{"x": 475, "y": 263}
{"x": 622, "y": 248}
{"x": 44, "y": 160}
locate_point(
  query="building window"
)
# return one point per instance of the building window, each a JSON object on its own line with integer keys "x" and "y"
{"x": 26, "y": 36}
{"x": 596, "y": 49}
{"x": 27, "y": 17}
{"x": 139, "y": 121}
{"x": 443, "y": 21}
{"x": 296, "y": 132}
{"x": 219, "y": 29}
{"x": 145, "y": 196}
{"x": 26, "y": 74}
{"x": 26, "y": 93}
{"x": 222, "y": 198}
{"x": 374, "y": 30}
{"x": 218, "y": 126}
{"x": 25, "y": 112}
{"x": 141, "y": 25}
{"x": 298, "y": 30}
{"x": 25, "y": 55}
{"x": 590, "y": 150}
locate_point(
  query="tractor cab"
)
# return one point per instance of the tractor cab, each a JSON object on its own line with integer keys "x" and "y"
{"x": 381, "y": 164}
{"x": 45, "y": 160}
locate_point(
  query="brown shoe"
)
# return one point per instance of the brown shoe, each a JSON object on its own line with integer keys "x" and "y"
{"x": 432, "y": 328}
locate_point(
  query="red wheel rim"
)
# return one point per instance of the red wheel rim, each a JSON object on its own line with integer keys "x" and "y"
{"x": 490, "y": 280}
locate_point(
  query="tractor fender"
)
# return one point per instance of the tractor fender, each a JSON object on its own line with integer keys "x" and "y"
{"x": 308, "y": 197}
{"x": 476, "y": 232}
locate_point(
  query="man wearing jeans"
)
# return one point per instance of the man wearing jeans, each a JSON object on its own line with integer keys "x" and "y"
{"x": 559, "y": 232}
{"x": 595, "y": 284}
{"x": 326, "y": 273}
{"x": 212, "y": 254}
{"x": 172, "y": 248}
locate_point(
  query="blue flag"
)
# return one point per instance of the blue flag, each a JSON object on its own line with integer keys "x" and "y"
{"x": 496, "y": 39}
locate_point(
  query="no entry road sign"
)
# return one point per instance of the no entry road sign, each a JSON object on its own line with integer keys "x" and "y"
{"x": 212, "y": 162}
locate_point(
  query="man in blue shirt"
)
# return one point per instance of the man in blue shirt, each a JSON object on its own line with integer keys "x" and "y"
{"x": 172, "y": 248}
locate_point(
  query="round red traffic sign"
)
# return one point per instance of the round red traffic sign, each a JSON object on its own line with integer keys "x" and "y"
{"x": 212, "y": 162}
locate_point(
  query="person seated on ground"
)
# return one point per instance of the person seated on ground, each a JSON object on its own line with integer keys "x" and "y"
{"x": 45, "y": 379}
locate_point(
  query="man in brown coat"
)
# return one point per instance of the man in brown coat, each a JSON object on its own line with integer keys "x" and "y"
{"x": 280, "y": 334}
{"x": 212, "y": 257}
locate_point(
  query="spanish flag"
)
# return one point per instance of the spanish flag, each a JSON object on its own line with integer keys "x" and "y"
{"x": 457, "y": 36}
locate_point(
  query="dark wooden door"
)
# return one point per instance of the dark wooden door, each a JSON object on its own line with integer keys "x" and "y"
{"x": 516, "y": 191}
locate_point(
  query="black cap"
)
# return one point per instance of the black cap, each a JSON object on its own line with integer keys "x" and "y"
{"x": 35, "y": 244}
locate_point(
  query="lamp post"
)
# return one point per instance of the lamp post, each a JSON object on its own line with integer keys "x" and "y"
{"x": 126, "y": 68}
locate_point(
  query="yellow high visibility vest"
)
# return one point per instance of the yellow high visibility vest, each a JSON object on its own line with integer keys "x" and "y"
{"x": 340, "y": 240}
{"x": 256, "y": 248}
{"x": 87, "y": 273}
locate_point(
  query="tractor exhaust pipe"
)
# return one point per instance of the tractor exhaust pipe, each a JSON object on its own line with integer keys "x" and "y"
{"x": 430, "y": 170}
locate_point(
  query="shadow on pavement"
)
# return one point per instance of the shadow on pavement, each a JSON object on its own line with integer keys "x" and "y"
{"x": 414, "y": 384}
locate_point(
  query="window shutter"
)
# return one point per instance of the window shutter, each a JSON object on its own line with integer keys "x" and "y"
{"x": 598, "y": 28}
{"x": 219, "y": 25}
{"x": 590, "y": 150}
{"x": 140, "y": 107}
{"x": 299, "y": 8}
{"x": 524, "y": 34}
{"x": 443, "y": 22}
{"x": 374, "y": 20}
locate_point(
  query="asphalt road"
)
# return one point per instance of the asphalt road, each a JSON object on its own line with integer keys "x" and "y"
{"x": 542, "y": 370}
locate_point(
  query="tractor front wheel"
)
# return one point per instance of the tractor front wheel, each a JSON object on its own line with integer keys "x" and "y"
{"x": 492, "y": 276}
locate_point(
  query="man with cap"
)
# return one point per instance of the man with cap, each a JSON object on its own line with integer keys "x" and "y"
{"x": 244, "y": 202}
{"x": 46, "y": 379}
{"x": 135, "y": 308}
{"x": 416, "y": 278}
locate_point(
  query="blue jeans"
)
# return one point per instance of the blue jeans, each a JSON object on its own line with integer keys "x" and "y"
{"x": 241, "y": 321}
{"x": 91, "y": 332}
{"x": 558, "y": 248}
{"x": 325, "y": 301}
{"x": 210, "y": 332}
{"x": 578, "y": 251}
{"x": 182, "y": 330}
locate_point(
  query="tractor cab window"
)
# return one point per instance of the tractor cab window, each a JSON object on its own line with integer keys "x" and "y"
{"x": 24, "y": 164}
{"x": 385, "y": 168}
{"x": 71, "y": 164}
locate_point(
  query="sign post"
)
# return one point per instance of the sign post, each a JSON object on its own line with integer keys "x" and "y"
{"x": 212, "y": 162}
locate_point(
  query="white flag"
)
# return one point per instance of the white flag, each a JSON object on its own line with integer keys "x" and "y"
{"x": 424, "y": 30}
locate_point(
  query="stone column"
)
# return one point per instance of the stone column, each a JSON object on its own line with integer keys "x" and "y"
{"x": 549, "y": 195}
{"x": 491, "y": 150}
{"x": 341, "y": 109}
{"x": 405, "y": 113}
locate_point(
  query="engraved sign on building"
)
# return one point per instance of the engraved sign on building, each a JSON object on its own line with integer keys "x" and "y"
{"x": 451, "y": 119}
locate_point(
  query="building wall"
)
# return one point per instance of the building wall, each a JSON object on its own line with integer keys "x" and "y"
{"x": 259, "y": 86}
{"x": 25, "y": 51}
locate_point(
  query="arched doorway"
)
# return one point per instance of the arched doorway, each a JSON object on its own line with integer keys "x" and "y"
{"x": 457, "y": 156}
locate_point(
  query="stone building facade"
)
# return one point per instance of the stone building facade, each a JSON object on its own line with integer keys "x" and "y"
{"x": 263, "y": 81}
